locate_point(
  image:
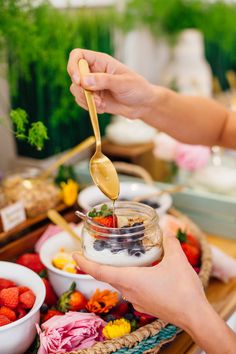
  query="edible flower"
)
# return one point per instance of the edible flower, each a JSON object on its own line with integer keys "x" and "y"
{"x": 72, "y": 331}
{"x": 102, "y": 301}
{"x": 117, "y": 328}
{"x": 69, "y": 192}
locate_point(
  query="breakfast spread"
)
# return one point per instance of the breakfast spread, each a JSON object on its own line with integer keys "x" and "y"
{"x": 15, "y": 301}
{"x": 119, "y": 239}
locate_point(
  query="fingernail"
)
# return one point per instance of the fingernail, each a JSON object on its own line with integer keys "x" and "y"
{"x": 89, "y": 80}
{"x": 76, "y": 79}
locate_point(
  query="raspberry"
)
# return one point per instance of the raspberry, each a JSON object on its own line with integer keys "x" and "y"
{"x": 20, "y": 312}
{"x": 22, "y": 289}
{"x": 4, "y": 320}
{"x": 5, "y": 283}
{"x": 27, "y": 299}
{"x": 9, "y": 297}
{"x": 10, "y": 314}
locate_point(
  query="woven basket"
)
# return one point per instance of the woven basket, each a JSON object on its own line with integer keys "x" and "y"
{"x": 150, "y": 338}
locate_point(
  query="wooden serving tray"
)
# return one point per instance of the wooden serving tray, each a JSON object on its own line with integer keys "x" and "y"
{"x": 23, "y": 237}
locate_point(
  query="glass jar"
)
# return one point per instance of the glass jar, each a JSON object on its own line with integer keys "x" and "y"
{"x": 137, "y": 241}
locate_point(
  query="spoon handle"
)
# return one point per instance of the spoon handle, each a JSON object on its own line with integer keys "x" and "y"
{"x": 84, "y": 70}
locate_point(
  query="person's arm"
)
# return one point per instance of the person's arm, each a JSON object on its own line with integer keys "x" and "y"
{"x": 192, "y": 119}
{"x": 171, "y": 291}
{"x": 120, "y": 91}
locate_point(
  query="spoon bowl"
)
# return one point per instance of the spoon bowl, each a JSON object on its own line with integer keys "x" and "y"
{"x": 104, "y": 175}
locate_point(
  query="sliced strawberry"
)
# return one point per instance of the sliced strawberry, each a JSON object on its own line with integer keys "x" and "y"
{"x": 107, "y": 221}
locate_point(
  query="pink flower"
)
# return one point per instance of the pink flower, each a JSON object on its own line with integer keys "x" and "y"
{"x": 72, "y": 331}
{"x": 192, "y": 157}
{"x": 165, "y": 147}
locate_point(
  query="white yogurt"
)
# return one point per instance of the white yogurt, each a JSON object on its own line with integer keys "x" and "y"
{"x": 120, "y": 259}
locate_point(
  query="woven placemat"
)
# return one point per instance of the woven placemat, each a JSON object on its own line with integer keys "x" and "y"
{"x": 151, "y": 337}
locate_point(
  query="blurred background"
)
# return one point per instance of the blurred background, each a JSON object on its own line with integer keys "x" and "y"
{"x": 188, "y": 45}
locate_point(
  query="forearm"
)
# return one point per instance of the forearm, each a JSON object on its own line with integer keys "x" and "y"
{"x": 191, "y": 119}
{"x": 210, "y": 332}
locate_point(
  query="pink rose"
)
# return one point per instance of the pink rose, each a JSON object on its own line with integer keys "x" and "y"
{"x": 72, "y": 331}
{"x": 192, "y": 157}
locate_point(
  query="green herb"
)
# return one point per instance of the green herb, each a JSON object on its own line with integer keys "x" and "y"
{"x": 104, "y": 211}
{"x": 35, "y": 133}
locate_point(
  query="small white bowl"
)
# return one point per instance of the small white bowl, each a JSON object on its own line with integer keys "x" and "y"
{"x": 16, "y": 337}
{"x": 61, "y": 280}
{"x": 91, "y": 196}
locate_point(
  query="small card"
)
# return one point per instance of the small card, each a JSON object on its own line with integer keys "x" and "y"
{"x": 12, "y": 215}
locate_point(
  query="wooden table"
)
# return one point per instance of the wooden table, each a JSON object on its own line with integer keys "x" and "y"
{"x": 221, "y": 296}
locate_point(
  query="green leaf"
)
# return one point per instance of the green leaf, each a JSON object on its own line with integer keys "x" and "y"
{"x": 37, "y": 135}
{"x": 182, "y": 236}
{"x": 20, "y": 120}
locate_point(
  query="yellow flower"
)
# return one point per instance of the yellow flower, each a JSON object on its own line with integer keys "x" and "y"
{"x": 69, "y": 192}
{"x": 117, "y": 328}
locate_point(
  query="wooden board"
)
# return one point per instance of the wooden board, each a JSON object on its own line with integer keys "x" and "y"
{"x": 221, "y": 296}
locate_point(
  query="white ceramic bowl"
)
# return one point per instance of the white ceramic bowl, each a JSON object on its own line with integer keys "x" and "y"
{"x": 91, "y": 196}
{"x": 16, "y": 337}
{"x": 61, "y": 280}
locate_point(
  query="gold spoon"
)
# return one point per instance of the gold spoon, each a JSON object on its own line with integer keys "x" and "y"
{"x": 57, "y": 219}
{"x": 102, "y": 169}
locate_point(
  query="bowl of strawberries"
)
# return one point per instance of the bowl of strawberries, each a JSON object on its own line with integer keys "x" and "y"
{"x": 22, "y": 293}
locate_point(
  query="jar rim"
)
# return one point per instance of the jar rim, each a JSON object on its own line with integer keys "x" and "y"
{"x": 154, "y": 218}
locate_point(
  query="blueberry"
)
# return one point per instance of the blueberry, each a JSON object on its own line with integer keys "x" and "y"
{"x": 129, "y": 316}
{"x": 100, "y": 245}
{"x": 44, "y": 308}
{"x": 83, "y": 311}
{"x": 109, "y": 318}
{"x": 136, "y": 249}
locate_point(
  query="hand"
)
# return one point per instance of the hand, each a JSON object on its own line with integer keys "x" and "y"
{"x": 117, "y": 90}
{"x": 171, "y": 290}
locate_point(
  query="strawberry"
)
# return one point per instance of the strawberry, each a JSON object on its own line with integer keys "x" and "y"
{"x": 20, "y": 311}
{"x": 107, "y": 221}
{"x": 121, "y": 309}
{"x": 9, "y": 313}
{"x": 4, "y": 320}
{"x": 51, "y": 313}
{"x": 104, "y": 217}
{"x": 143, "y": 318}
{"x": 32, "y": 261}
{"x": 27, "y": 299}
{"x": 71, "y": 300}
{"x": 5, "y": 283}
{"x": 155, "y": 263}
{"x": 9, "y": 297}
{"x": 51, "y": 298}
{"x": 192, "y": 253}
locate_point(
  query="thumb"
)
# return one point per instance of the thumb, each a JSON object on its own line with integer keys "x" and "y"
{"x": 108, "y": 274}
{"x": 171, "y": 245}
{"x": 100, "y": 81}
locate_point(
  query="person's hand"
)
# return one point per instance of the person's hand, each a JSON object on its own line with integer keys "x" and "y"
{"x": 117, "y": 89}
{"x": 171, "y": 290}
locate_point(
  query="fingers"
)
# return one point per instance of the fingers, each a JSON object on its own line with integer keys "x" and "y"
{"x": 104, "y": 273}
{"x": 80, "y": 99}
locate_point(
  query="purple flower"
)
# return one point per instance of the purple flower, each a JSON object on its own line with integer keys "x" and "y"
{"x": 72, "y": 331}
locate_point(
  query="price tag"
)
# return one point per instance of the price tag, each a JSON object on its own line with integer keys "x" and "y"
{"x": 12, "y": 215}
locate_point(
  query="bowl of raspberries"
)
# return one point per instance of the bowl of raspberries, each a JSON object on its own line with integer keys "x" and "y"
{"x": 22, "y": 293}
